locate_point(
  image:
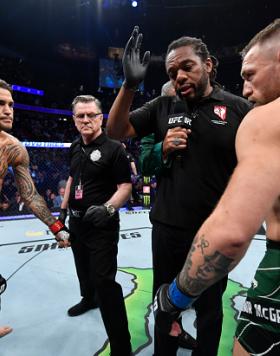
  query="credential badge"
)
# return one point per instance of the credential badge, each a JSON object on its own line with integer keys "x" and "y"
{"x": 95, "y": 155}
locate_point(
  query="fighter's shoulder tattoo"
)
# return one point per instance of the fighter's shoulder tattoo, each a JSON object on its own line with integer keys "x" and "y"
{"x": 10, "y": 151}
{"x": 3, "y": 165}
{"x": 13, "y": 152}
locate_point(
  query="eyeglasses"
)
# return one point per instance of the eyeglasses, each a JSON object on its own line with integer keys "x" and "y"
{"x": 90, "y": 116}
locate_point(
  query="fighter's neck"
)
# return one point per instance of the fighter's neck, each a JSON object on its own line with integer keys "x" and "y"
{"x": 5, "y": 136}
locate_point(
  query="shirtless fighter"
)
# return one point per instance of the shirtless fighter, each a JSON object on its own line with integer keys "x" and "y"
{"x": 14, "y": 154}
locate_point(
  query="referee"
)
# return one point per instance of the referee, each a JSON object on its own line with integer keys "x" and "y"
{"x": 98, "y": 185}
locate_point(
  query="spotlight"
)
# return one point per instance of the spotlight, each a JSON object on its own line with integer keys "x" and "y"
{"x": 134, "y": 3}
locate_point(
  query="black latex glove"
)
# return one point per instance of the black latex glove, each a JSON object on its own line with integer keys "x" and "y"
{"x": 133, "y": 68}
{"x": 62, "y": 215}
{"x": 97, "y": 214}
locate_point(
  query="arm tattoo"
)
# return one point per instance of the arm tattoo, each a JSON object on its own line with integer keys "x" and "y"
{"x": 40, "y": 209}
{"x": 4, "y": 152}
{"x": 27, "y": 188}
{"x": 194, "y": 280}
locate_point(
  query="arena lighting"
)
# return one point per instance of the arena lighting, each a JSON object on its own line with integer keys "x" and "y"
{"x": 27, "y": 90}
{"x": 23, "y": 217}
{"x": 46, "y": 110}
{"x": 46, "y": 144}
{"x": 113, "y": 4}
{"x": 42, "y": 109}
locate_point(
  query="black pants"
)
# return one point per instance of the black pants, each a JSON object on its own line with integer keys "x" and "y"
{"x": 170, "y": 247}
{"x": 95, "y": 254}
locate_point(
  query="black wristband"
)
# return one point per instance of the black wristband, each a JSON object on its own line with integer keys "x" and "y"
{"x": 134, "y": 89}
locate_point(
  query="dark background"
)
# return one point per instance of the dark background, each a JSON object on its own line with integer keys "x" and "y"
{"x": 56, "y": 45}
{"x": 59, "y": 42}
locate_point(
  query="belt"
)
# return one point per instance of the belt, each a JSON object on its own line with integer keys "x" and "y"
{"x": 76, "y": 213}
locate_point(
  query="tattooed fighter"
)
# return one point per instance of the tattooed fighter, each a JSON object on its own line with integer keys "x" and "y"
{"x": 14, "y": 154}
{"x": 251, "y": 197}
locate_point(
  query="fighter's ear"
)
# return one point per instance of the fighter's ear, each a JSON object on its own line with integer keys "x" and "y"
{"x": 208, "y": 64}
{"x": 101, "y": 118}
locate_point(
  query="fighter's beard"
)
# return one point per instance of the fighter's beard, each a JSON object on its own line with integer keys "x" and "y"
{"x": 6, "y": 129}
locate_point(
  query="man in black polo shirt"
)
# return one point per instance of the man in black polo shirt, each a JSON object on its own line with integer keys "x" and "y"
{"x": 98, "y": 185}
{"x": 197, "y": 131}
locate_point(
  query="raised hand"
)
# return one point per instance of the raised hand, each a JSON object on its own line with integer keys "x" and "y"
{"x": 133, "y": 68}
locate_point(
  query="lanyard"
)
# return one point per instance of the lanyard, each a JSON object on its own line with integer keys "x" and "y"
{"x": 83, "y": 158}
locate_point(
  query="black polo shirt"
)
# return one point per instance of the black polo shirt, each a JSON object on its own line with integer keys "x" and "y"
{"x": 189, "y": 190}
{"x": 100, "y": 166}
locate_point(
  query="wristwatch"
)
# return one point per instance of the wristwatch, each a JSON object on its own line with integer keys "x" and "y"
{"x": 110, "y": 209}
